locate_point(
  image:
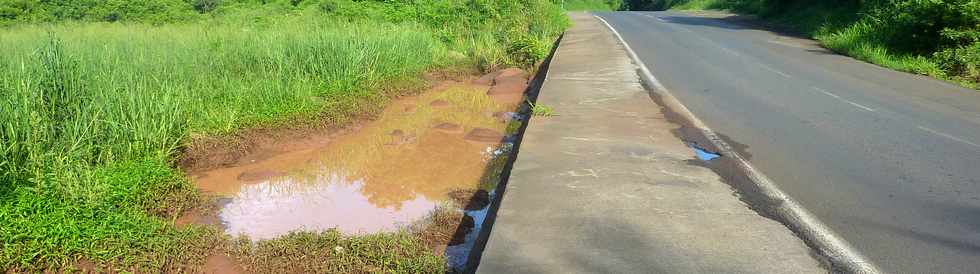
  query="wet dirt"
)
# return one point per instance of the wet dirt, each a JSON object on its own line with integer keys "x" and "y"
{"x": 449, "y": 128}
{"x": 508, "y": 86}
{"x": 379, "y": 177}
{"x": 439, "y": 103}
{"x": 204, "y": 217}
{"x": 484, "y": 135}
{"x": 84, "y": 266}
{"x": 221, "y": 264}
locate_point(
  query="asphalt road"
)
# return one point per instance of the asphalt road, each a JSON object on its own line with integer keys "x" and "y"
{"x": 888, "y": 160}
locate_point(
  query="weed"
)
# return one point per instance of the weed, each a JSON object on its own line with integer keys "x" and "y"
{"x": 540, "y": 110}
{"x": 332, "y": 252}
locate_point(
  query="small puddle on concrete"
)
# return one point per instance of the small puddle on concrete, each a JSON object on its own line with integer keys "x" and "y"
{"x": 384, "y": 176}
{"x": 702, "y": 153}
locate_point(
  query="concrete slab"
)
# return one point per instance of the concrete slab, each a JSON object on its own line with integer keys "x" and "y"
{"x": 605, "y": 187}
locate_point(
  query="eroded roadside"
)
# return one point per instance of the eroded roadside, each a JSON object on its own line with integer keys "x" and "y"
{"x": 409, "y": 188}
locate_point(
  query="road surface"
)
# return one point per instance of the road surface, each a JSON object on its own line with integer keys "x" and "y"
{"x": 888, "y": 160}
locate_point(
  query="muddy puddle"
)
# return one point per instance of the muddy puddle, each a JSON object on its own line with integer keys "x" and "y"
{"x": 382, "y": 177}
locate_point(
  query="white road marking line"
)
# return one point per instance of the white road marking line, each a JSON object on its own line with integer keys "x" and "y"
{"x": 775, "y": 70}
{"x": 828, "y": 93}
{"x": 729, "y": 51}
{"x": 859, "y": 106}
{"x": 589, "y": 79}
{"x": 845, "y": 100}
{"x": 586, "y": 139}
{"x": 732, "y": 52}
{"x": 829, "y": 241}
{"x": 951, "y": 137}
{"x": 654, "y": 17}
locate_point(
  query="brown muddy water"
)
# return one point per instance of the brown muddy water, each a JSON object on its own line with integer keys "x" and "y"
{"x": 381, "y": 177}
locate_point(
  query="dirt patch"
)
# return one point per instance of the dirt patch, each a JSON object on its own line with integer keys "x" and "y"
{"x": 439, "y": 103}
{"x": 486, "y": 79}
{"x": 510, "y": 73}
{"x": 85, "y": 266}
{"x": 202, "y": 217}
{"x": 508, "y": 87}
{"x": 202, "y": 152}
{"x": 378, "y": 175}
{"x": 221, "y": 264}
{"x": 410, "y": 109}
{"x": 484, "y": 135}
{"x": 449, "y": 128}
{"x": 255, "y": 176}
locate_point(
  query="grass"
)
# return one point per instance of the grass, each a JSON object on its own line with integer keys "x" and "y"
{"x": 541, "y": 110}
{"x": 118, "y": 100}
{"x": 597, "y": 5}
{"x": 407, "y": 251}
{"x": 699, "y": 5}
{"x": 861, "y": 41}
{"x": 332, "y": 252}
{"x": 94, "y": 115}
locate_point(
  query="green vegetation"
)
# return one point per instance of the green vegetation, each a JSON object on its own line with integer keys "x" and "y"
{"x": 97, "y": 99}
{"x": 592, "y": 4}
{"x": 406, "y": 251}
{"x": 540, "y": 110}
{"x": 939, "y": 38}
{"x": 331, "y": 252}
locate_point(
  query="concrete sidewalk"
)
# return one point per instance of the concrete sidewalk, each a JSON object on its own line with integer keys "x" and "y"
{"x": 605, "y": 187}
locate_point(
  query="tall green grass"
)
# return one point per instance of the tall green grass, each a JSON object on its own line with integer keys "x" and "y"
{"x": 82, "y": 104}
{"x": 597, "y": 5}
{"x": 864, "y": 41}
{"x": 93, "y": 114}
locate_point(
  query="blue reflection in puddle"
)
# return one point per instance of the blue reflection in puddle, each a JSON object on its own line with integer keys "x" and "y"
{"x": 457, "y": 255}
{"x": 702, "y": 153}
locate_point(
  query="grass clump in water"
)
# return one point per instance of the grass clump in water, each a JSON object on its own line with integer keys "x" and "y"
{"x": 332, "y": 252}
{"x": 407, "y": 251}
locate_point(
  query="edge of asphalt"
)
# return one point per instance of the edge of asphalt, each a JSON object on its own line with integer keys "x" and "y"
{"x": 842, "y": 255}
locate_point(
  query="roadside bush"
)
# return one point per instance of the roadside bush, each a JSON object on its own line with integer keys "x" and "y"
{"x": 148, "y": 11}
{"x": 328, "y": 6}
{"x": 961, "y": 62}
{"x": 205, "y": 6}
{"x": 527, "y": 51}
{"x": 493, "y": 33}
